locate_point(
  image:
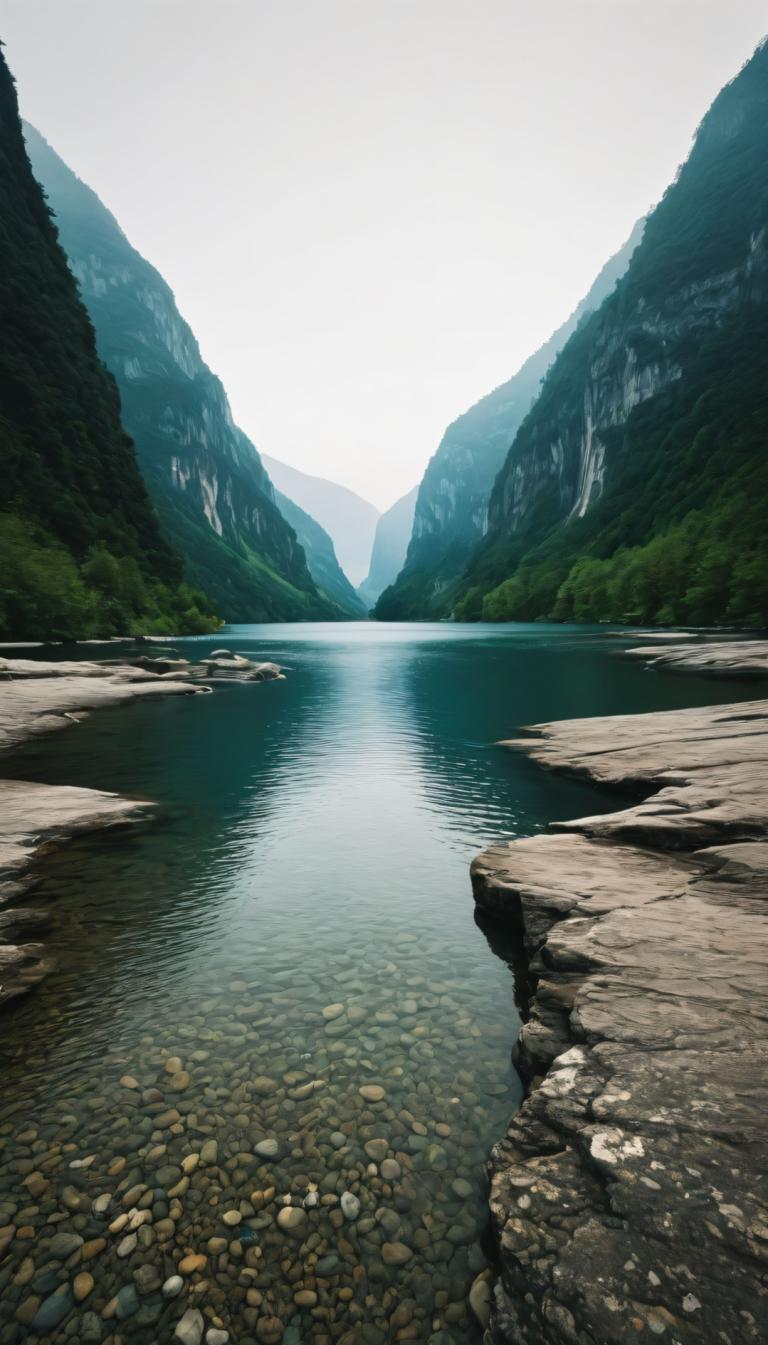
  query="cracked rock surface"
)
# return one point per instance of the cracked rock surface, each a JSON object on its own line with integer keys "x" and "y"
{"x": 629, "y": 1195}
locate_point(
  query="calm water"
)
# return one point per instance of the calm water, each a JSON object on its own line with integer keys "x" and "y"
{"x": 295, "y": 925}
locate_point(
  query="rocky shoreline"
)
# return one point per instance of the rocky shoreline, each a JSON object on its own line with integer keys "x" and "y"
{"x": 729, "y": 658}
{"x": 38, "y": 697}
{"x": 628, "y": 1195}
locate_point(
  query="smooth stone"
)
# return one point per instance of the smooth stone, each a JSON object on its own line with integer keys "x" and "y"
{"x": 338, "y": 1140}
{"x": 90, "y": 1329}
{"x": 127, "y": 1302}
{"x": 51, "y": 1313}
{"x": 305, "y": 1298}
{"x": 350, "y": 1205}
{"x": 64, "y": 1244}
{"x": 215, "y": 1336}
{"x": 268, "y": 1148}
{"x": 127, "y": 1245}
{"x": 390, "y": 1170}
{"x": 262, "y": 1085}
{"x": 291, "y": 1217}
{"x": 328, "y": 1265}
{"x": 172, "y": 1287}
{"x": 395, "y": 1253}
{"x": 372, "y": 1092}
{"x": 377, "y": 1149}
{"x": 189, "y": 1264}
{"x": 147, "y": 1279}
{"x": 480, "y": 1300}
{"x": 461, "y": 1188}
{"x": 189, "y": 1328}
{"x": 209, "y": 1153}
{"x": 82, "y": 1286}
{"x": 332, "y": 1011}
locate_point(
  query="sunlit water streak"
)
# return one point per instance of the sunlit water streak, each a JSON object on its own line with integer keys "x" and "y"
{"x": 311, "y": 845}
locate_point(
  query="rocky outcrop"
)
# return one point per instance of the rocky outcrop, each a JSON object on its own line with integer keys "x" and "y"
{"x": 206, "y": 478}
{"x": 731, "y": 658}
{"x": 628, "y": 1195}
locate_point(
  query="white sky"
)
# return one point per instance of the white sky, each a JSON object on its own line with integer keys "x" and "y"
{"x": 371, "y": 211}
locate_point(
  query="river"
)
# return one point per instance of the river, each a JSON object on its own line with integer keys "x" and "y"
{"x": 295, "y": 925}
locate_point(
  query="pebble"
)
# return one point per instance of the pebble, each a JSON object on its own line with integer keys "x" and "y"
{"x": 172, "y": 1287}
{"x": 189, "y": 1328}
{"x": 350, "y": 1206}
{"x": 291, "y": 1217}
{"x": 51, "y": 1313}
{"x": 390, "y": 1170}
{"x": 189, "y": 1264}
{"x": 395, "y": 1253}
{"x": 209, "y": 1153}
{"x": 232, "y": 1218}
{"x": 332, "y": 1011}
{"x": 64, "y": 1244}
{"x": 372, "y": 1092}
{"x": 82, "y": 1286}
{"x": 268, "y": 1148}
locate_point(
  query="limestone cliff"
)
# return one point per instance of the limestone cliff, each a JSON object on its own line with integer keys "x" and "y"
{"x": 451, "y": 514}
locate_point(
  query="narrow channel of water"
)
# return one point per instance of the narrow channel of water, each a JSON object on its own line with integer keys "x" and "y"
{"x": 275, "y": 1029}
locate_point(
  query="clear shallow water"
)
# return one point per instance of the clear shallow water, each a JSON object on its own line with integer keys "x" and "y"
{"x": 310, "y": 852}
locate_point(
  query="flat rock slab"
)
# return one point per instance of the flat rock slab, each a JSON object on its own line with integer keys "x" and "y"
{"x": 729, "y": 658}
{"x": 629, "y": 1194}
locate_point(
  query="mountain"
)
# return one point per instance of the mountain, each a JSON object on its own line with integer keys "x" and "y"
{"x": 452, "y": 506}
{"x": 213, "y": 496}
{"x": 350, "y": 520}
{"x": 81, "y": 551}
{"x": 330, "y": 579}
{"x": 390, "y": 544}
{"x": 637, "y": 487}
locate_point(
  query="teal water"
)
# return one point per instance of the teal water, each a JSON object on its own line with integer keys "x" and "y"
{"x": 310, "y": 849}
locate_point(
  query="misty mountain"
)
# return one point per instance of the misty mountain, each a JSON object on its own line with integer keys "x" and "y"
{"x": 349, "y": 520}
{"x": 451, "y": 513}
{"x": 213, "y": 496}
{"x": 390, "y": 544}
{"x": 637, "y": 487}
{"x": 331, "y": 581}
{"x": 81, "y": 551}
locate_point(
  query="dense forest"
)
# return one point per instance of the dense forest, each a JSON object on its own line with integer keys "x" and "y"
{"x": 80, "y": 548}
{"x": 637, "y": 487}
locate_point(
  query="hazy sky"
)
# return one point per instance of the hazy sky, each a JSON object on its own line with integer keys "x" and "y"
{"x": 371, "y": 211}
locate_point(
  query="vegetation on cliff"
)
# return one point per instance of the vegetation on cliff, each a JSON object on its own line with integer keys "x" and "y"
{"x": 673, "y": 527}
{"x": 80, "y": 548}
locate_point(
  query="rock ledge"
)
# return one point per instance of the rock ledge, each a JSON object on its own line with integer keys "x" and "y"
{"x": 629, "y": 1193}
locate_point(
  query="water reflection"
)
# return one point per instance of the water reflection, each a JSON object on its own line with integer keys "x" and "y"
{"x": 295, "y": 926}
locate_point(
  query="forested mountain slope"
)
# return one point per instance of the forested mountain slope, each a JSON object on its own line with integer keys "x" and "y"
{"x": 637, "y": 487}
{"x": 331, "y": 581}
{"x": 213, "y": 496}
{"x": 81, "y": 551}
{"x": 452, "y": 506}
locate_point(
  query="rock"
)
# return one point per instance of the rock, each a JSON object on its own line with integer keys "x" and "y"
{"x": 332, "y": 1011}
{"x": 350, "y": 1206}
{"x": 269, "y": 1330}
{"x": 90, "y": 1329}
{"x": 63, "y": 1245}
{"x": 461, "y": 1188}
{"x": 127, "y": 1302}
{"x": 480, "y": 1299}
{"x": 189, "y": 1328}
{"x": 180, "y": 1081}
{"x": 372, "y": 1092}
{"x": 127, "y": 1245}
{"x": 262, "y": 1085}
{"x": 209, "y": 1153}
{"x": 377, "y": 1149}
{"x": 395, "y": 1253}
{"x": 390, "y": 1170}
{"x": 268, "y": 1148}
{"x": 188, "y": 1265}
{"x": 147, "y": 1279}
{"x": 291, "y": 1218}
{"x": 82, "y": 1286}
{"x": 172, "y": 1287}
{"x": 51, "y": 1313}
{"x": 173, "y": 1064}
{"x": 232, "y": 1218}
{"x": 305, "y": 1298}
{"x": 645, "y": 1074}
{"x": 128, "y": 1081}
{"x": 215, "y": 1336}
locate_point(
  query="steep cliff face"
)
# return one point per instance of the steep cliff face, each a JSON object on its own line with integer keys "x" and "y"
{"x": 349, "y": 520}
{"x": 211, "y": 491}
{"x": 81, "y": 552}
{"x": 451, "y": 515}
{"x": 636, "y": 488}
{"x": 390, "y": 546}
{"x": 331, "y": 581}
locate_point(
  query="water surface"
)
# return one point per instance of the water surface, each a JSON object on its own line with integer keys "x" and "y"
{"x": 295, "y": 925}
